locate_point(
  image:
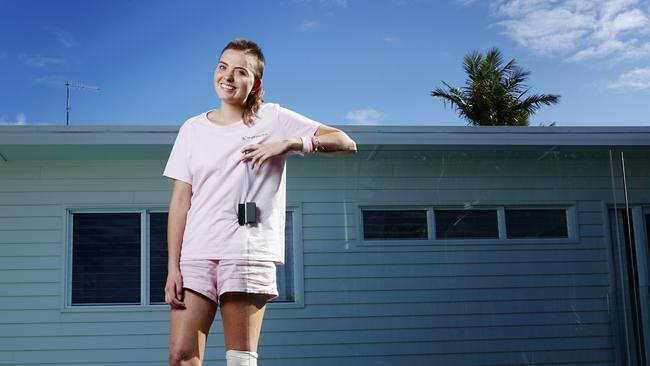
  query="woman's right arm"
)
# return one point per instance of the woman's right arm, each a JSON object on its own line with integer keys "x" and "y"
{"x": 179, "y": 205}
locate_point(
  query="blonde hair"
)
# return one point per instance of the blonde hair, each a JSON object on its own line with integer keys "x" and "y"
{"x": 254, "y": 100}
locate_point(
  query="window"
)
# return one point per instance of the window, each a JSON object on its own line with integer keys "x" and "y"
{"x": 383, "y": 225}
{"x": 394, "y": 224}
{"x": 466, "y": 224}
{"x": 536, "y": 223}
{"x": 106, "y": 259}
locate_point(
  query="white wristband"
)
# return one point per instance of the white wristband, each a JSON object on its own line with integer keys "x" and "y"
{"x": 305, "y": 144}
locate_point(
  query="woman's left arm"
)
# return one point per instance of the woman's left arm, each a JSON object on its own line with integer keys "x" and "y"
{"x": 334, "y": 142}
{"x": 331, "y": 142}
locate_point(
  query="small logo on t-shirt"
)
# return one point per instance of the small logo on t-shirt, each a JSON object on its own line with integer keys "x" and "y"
{"x": 247, "y": 138}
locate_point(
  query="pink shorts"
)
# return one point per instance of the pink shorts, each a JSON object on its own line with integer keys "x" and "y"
{"x": 212, "y": 278}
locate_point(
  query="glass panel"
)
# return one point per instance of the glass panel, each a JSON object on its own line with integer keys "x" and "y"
{"x": 394, "y": 224}
{"x": 458, "y": 224}
{"x": 536, "y": 223}
{"x": 285, "y": 273}
{"x": 105, "y": 258}
{"x": 157, "y": 256}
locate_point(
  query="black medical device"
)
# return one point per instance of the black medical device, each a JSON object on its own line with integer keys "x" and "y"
{"x": 247, "y": 213}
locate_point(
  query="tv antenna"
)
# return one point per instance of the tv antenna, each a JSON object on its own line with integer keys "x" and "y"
{"x": 69, "y": 85}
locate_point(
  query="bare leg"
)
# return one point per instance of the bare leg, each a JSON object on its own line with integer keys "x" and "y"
{"x": 189, "y": 329}
{"x": 242, "y": 316}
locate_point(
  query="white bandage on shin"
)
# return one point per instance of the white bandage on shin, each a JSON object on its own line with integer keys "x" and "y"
{"x": 241, "y": 358}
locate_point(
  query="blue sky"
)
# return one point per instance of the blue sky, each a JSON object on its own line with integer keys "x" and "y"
{"x": 341, "y": 62}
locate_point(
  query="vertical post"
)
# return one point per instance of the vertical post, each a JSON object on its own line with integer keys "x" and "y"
{"x": 620, "y": 257}
{"x": 634, "y": 275}
{"x": 67, "y": 103}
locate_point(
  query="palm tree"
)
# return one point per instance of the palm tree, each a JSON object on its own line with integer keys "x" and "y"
{"x": 494, "y": 95}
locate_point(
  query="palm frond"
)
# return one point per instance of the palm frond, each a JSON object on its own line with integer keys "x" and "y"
{"x": 510, "y": 67}
{"x": 471, "y": 65}
{"x": 533, "y": 103}
{"x": 493, "y": 61}
{"x": 455, "y": 97}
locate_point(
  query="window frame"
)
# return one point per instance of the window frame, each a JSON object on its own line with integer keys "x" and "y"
{"x": 569, "y": 217}
{"x": 392, "y": 242}
{"x": 362, "y": 208}
{"x": 570, "y": 208}
{"x": 144, "y": 257}
{"x": 145, "y": 305}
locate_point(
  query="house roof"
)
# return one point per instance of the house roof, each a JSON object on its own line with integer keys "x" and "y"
{"x": 29, "y": 142}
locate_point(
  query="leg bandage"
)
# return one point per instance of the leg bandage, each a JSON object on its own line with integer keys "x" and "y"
{"x": 241, "y": 358}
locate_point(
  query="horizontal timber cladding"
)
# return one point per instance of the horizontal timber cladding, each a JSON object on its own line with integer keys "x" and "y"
{"x": 448, "y": 302}
{"x": 465, "y": 281}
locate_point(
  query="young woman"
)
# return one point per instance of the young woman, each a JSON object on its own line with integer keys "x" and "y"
{"x": 227, "y": 208}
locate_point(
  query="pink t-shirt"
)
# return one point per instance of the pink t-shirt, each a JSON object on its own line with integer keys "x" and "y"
{"x": 206, "y": 155}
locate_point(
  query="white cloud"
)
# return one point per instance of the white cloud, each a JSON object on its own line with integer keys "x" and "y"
{"x": 62, "y": 37}
{"x": 367, "y": 116}
{"x": 308, "y": 24}
{"x": 632, "y": 81}
{"x": 465, "y": 2}
{"x": 538, "y": 30}
{"x": 52, "y": 80}
{"x": 21, "y": 119}
{"x": 578, "y": 30}
{"x": 40, "y": 61}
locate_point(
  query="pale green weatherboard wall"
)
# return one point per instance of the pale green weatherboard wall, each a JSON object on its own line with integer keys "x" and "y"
{"x": 438, "y": 303}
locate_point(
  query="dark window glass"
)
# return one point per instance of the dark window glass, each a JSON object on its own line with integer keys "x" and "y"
{"x": 464, "y": 224}
{"x": 285, "y": 275}
{"x": 157, "y": 256}
{"x": 394, "y": 224}
{"x": 106, "y": 258}
{"x": 536, "y": 223}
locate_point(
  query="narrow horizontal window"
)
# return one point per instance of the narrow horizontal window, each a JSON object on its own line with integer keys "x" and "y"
{"x": 536, "y": 223}
{"x": 157, "y": 257}
{"x": 466, "y": 224}
{"x": 394, "y": 224}
{"x": 105, "y": 258}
